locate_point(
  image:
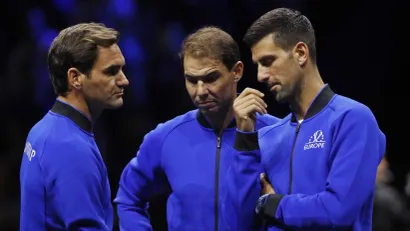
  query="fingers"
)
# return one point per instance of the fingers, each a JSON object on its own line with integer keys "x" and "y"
{"x": 252, "y": 117}
{"x": 266, "y": 185}
{"x": 251, "y": 103}
{"x": 249, "y": 106}
{"x": 263, "y": 179}
{"x": 245, "y": 107}
{"x": 248, "y": 103}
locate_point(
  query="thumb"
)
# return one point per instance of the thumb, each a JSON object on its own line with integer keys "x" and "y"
{"x": 266, "y": 186}
{"x": 264, "y": 180}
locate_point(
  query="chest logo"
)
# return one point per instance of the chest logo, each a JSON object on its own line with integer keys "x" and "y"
{"x": 317, "y": 140}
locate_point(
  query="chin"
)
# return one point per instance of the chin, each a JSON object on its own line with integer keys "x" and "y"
{"x": 210, "y": 111}
{"x": 116, "y": 104}
{"x": 281, "y": 98}
{"x": 204, "y": 111}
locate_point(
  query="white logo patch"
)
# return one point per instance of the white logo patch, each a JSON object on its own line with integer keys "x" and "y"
{"x": 317, "y": 140}
{"x": 29, "y": 151}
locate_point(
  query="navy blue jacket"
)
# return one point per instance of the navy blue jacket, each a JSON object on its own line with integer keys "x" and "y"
{"x": 186, "y": 158}
{"x": 64, "y": 182}
{"x": 322, "y": 169}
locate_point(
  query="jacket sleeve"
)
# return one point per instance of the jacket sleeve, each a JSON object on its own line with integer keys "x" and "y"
{"x": 76, "y": 185}
{"x": 358, "y": 146}
{"x": 242, "y": 181}
{"x": 142, "y": 178}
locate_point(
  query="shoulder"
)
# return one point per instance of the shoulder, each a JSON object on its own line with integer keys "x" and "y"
{"x": 69, "y": 146}
{"x": 43, "y": 128}
{"x": 279, "y": 123}
{"x": 352, "y": 110}
{"x": 265, "y": 120}
{"x": 70, "y": 155}
{"x": 162, "y": 130}
{"x": 55, "y": 128}
{"x": 51, "y": 136}
{"x": 355, "y": 120}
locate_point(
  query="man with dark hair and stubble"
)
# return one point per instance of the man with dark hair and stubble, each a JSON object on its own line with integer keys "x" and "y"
{"x": 64, "y": 181}
{"x": 188, "y": 157}
{"x": 321, "y": 159}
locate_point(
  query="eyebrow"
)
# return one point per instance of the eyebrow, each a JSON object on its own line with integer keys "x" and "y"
{"x": 268, "y": 56}
{"x": 113, "y": 67}
{"x": 211, "y": 74}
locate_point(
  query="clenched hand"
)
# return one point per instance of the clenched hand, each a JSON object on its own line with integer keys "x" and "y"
{"x": 245, "y": 107}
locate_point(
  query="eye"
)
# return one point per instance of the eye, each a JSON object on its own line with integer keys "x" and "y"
{"x": 212, "y": 77}
{"x": 112, "y": 70}
{"x": 192, "y": 80}
{"x": 267, "y": 61}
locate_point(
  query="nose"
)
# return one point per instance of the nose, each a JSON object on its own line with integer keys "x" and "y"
{"x": 123, "y": 81}
{"x": 202, "y": 90}
{"x": 263, "y": 75}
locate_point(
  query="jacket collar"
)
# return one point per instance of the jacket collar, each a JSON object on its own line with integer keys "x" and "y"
{"x": 203, "y": 121}
{"x": 73, "y": 114}
{"x": 320, "y": 102}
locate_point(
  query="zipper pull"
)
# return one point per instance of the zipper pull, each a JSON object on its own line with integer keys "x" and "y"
{"x": 218, "y": 140}
{"x": 298, "y": 127}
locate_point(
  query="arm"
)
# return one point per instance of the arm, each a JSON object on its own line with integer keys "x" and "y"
{"x": 357, "y": 150}
{"x": 74, "y": 181}
{"x": 243, "y": 188}
{"x": 141, "y": 179}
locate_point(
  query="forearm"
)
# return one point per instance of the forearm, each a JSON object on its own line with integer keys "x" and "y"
{"x": 133, "y": 217}
{"x": 243, "y": 187}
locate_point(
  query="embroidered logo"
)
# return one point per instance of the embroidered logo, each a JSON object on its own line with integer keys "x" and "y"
{"x": 317, "y": 140}
{"x": 29, "y": 151}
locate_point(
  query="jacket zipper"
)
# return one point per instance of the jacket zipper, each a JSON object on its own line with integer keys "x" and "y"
{"x": 218, "y": 157}
{"x": 291, "y": 160}
{"x": 290, "y": 169}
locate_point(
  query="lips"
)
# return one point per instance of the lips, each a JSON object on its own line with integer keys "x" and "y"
{"x": 206, "y": 104}
{"x": 273, "y": 87}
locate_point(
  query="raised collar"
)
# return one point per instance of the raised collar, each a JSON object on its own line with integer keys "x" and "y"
{"x": 73, "y": 114}
{"x": 203, "y": 121}
{"x": 320, "y": 102}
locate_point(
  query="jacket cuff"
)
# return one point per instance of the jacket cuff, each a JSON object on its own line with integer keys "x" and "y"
{"x": 271, "y": 205}
{"x": 246, "y": 141}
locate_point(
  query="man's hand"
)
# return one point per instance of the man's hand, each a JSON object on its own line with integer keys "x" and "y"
{"x": 245, "y": 107}
{"x": 266, "y": 186}
{"x": 267, "y": 189}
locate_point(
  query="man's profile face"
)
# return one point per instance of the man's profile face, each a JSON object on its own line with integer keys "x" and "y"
{"x": 209, "y": 83}
{"x": 105, "y": 85}
{"x": 277, "y": 68}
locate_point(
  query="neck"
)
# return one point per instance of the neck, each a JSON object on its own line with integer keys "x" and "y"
{"x": 221, "y": 120}
{"x": 81, "y": 105}
{"x": 310, "y": 87}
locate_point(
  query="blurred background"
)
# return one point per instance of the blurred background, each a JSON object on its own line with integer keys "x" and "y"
{"x": 358, "y": 52}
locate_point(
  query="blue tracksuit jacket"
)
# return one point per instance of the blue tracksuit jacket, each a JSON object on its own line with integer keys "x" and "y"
{"x": 322, "y": 169}
{"x": 189, "y": 160}
{"x": 64, "y": 182}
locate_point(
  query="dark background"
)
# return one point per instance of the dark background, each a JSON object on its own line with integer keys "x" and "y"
{"x": 358, "y": 55}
